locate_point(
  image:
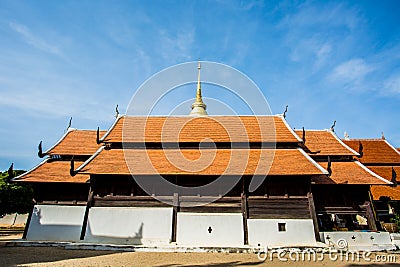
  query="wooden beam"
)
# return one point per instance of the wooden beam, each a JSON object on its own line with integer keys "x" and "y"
{"x": 370, "y": 216}
{"x": 313, "y": 214}
{"x": 86, "y": 216}
{"x": 245, "y": 217}
{"x": 175, "y": 216}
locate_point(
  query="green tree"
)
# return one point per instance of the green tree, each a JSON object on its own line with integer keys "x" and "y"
{"x": 14, "y": 197}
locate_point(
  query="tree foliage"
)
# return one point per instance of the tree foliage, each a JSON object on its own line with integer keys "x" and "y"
{"x": 14, "y": 197}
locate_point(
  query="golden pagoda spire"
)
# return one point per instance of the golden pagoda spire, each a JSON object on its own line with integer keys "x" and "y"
{"x": 198, "y": 107}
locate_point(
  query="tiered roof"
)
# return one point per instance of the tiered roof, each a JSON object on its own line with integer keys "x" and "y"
{"x": 383, "y": 159}
{"x": 216, "y": 129}
{"x": 57, "y": 169}
{"x": 325, "y": 143}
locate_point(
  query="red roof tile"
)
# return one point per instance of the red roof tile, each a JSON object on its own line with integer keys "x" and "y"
{"x": 386, "y": 171}
{"x": 76, "y": 142}
{"x": 209, "y": 162}
{"x": 326, "y": 142}
{"x": 375, "y": 151}
{"x": 379, "y": 191}
{"x": 52, "y": 172}
{"x": 351, "y": 172}
{"x": 197, "y": 129}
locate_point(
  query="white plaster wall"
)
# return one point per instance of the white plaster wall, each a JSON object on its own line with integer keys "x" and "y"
{"x": 138, "y": 226}
{"x": 359, "y": 240}
{"x": 264, "y": 232}
{"x": 56, "y": 223}
{"x": 21, "y": 220}
{"x": 227, "y": 229}
{"x": 7, "y": 220}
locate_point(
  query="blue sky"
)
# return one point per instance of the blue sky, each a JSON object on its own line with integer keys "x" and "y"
{"x": 327, "y": 60}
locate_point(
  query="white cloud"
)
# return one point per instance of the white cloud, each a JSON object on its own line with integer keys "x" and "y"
{"x": 392, "y": 85}
{"x": 324, "y": 51}
{"x": 34, "y": 40}
{"x": 352, "y": 71}
{"x": 248, "y": 5}
{"x": 177, "y": 47}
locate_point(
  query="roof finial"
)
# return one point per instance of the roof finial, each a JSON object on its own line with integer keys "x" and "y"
{"x": 69, "y": 124}
{"x": 284, "y": 113}
{"x": 346, "y": 136}
{"x": 383, "y": 136}
{"x": 198, "y": 107}
{"x": 333, "y": 126}
{"x": 40, "y": 152}
{"x": 116, "y": 111}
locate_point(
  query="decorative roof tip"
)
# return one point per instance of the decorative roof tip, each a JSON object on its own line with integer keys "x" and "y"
{"x": 198, "y": 107}
{"x": 116, "y": 112}
{"x": 284, "y": 113}
{"x": 333, "y": 126}
{"x": 346, "y": 136}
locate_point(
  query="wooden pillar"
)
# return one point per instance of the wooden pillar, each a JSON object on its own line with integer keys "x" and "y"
{"x": 311, "y": 207}
{"x": 86, "y": 216}
{"x": 245, "y": 216}
{"x": 370, "y": 216}
{"x": 175, "y": 216}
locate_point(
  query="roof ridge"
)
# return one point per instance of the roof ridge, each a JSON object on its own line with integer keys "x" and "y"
{"x": 391, "y": 146}
{"x": 343, "y": 144}
{"x": 372, "y": 173}
{"x": 290, "y": 129}
{"x": 17, "y": 178}
{"x": 70, "y": 130}
{"x": 319, "y": 167}
{"x": 89, "y": 159}
{"x": 365, "y": 139}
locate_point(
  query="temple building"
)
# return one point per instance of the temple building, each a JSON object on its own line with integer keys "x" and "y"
{"x": 227, "y": 181}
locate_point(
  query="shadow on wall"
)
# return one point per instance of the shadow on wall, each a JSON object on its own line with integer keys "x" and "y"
{"x": 110, "y": 238}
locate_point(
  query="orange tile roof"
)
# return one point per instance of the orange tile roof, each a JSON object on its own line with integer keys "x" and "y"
{"x": 76, "y": 142}
{"x": 386, "y": 171}
{"x": 386, "y": 191}
{"x": 375, "y": 151}
{"x": 201, "y": 162}
{"x": 197, "y": 129}
{"x": 52, "y": 172}
{"x": 326, "y": 142}
{"x": 351, "y": 172}
{"x": 379, "y": 191}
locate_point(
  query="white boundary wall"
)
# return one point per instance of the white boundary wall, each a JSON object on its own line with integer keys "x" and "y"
{"x": 226, "y": 229}
{"x": 265, "y": 232}
{"x": 56, "y": 223}
{"x": 371, "y": 241}
{"x": 130, "y": 225}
